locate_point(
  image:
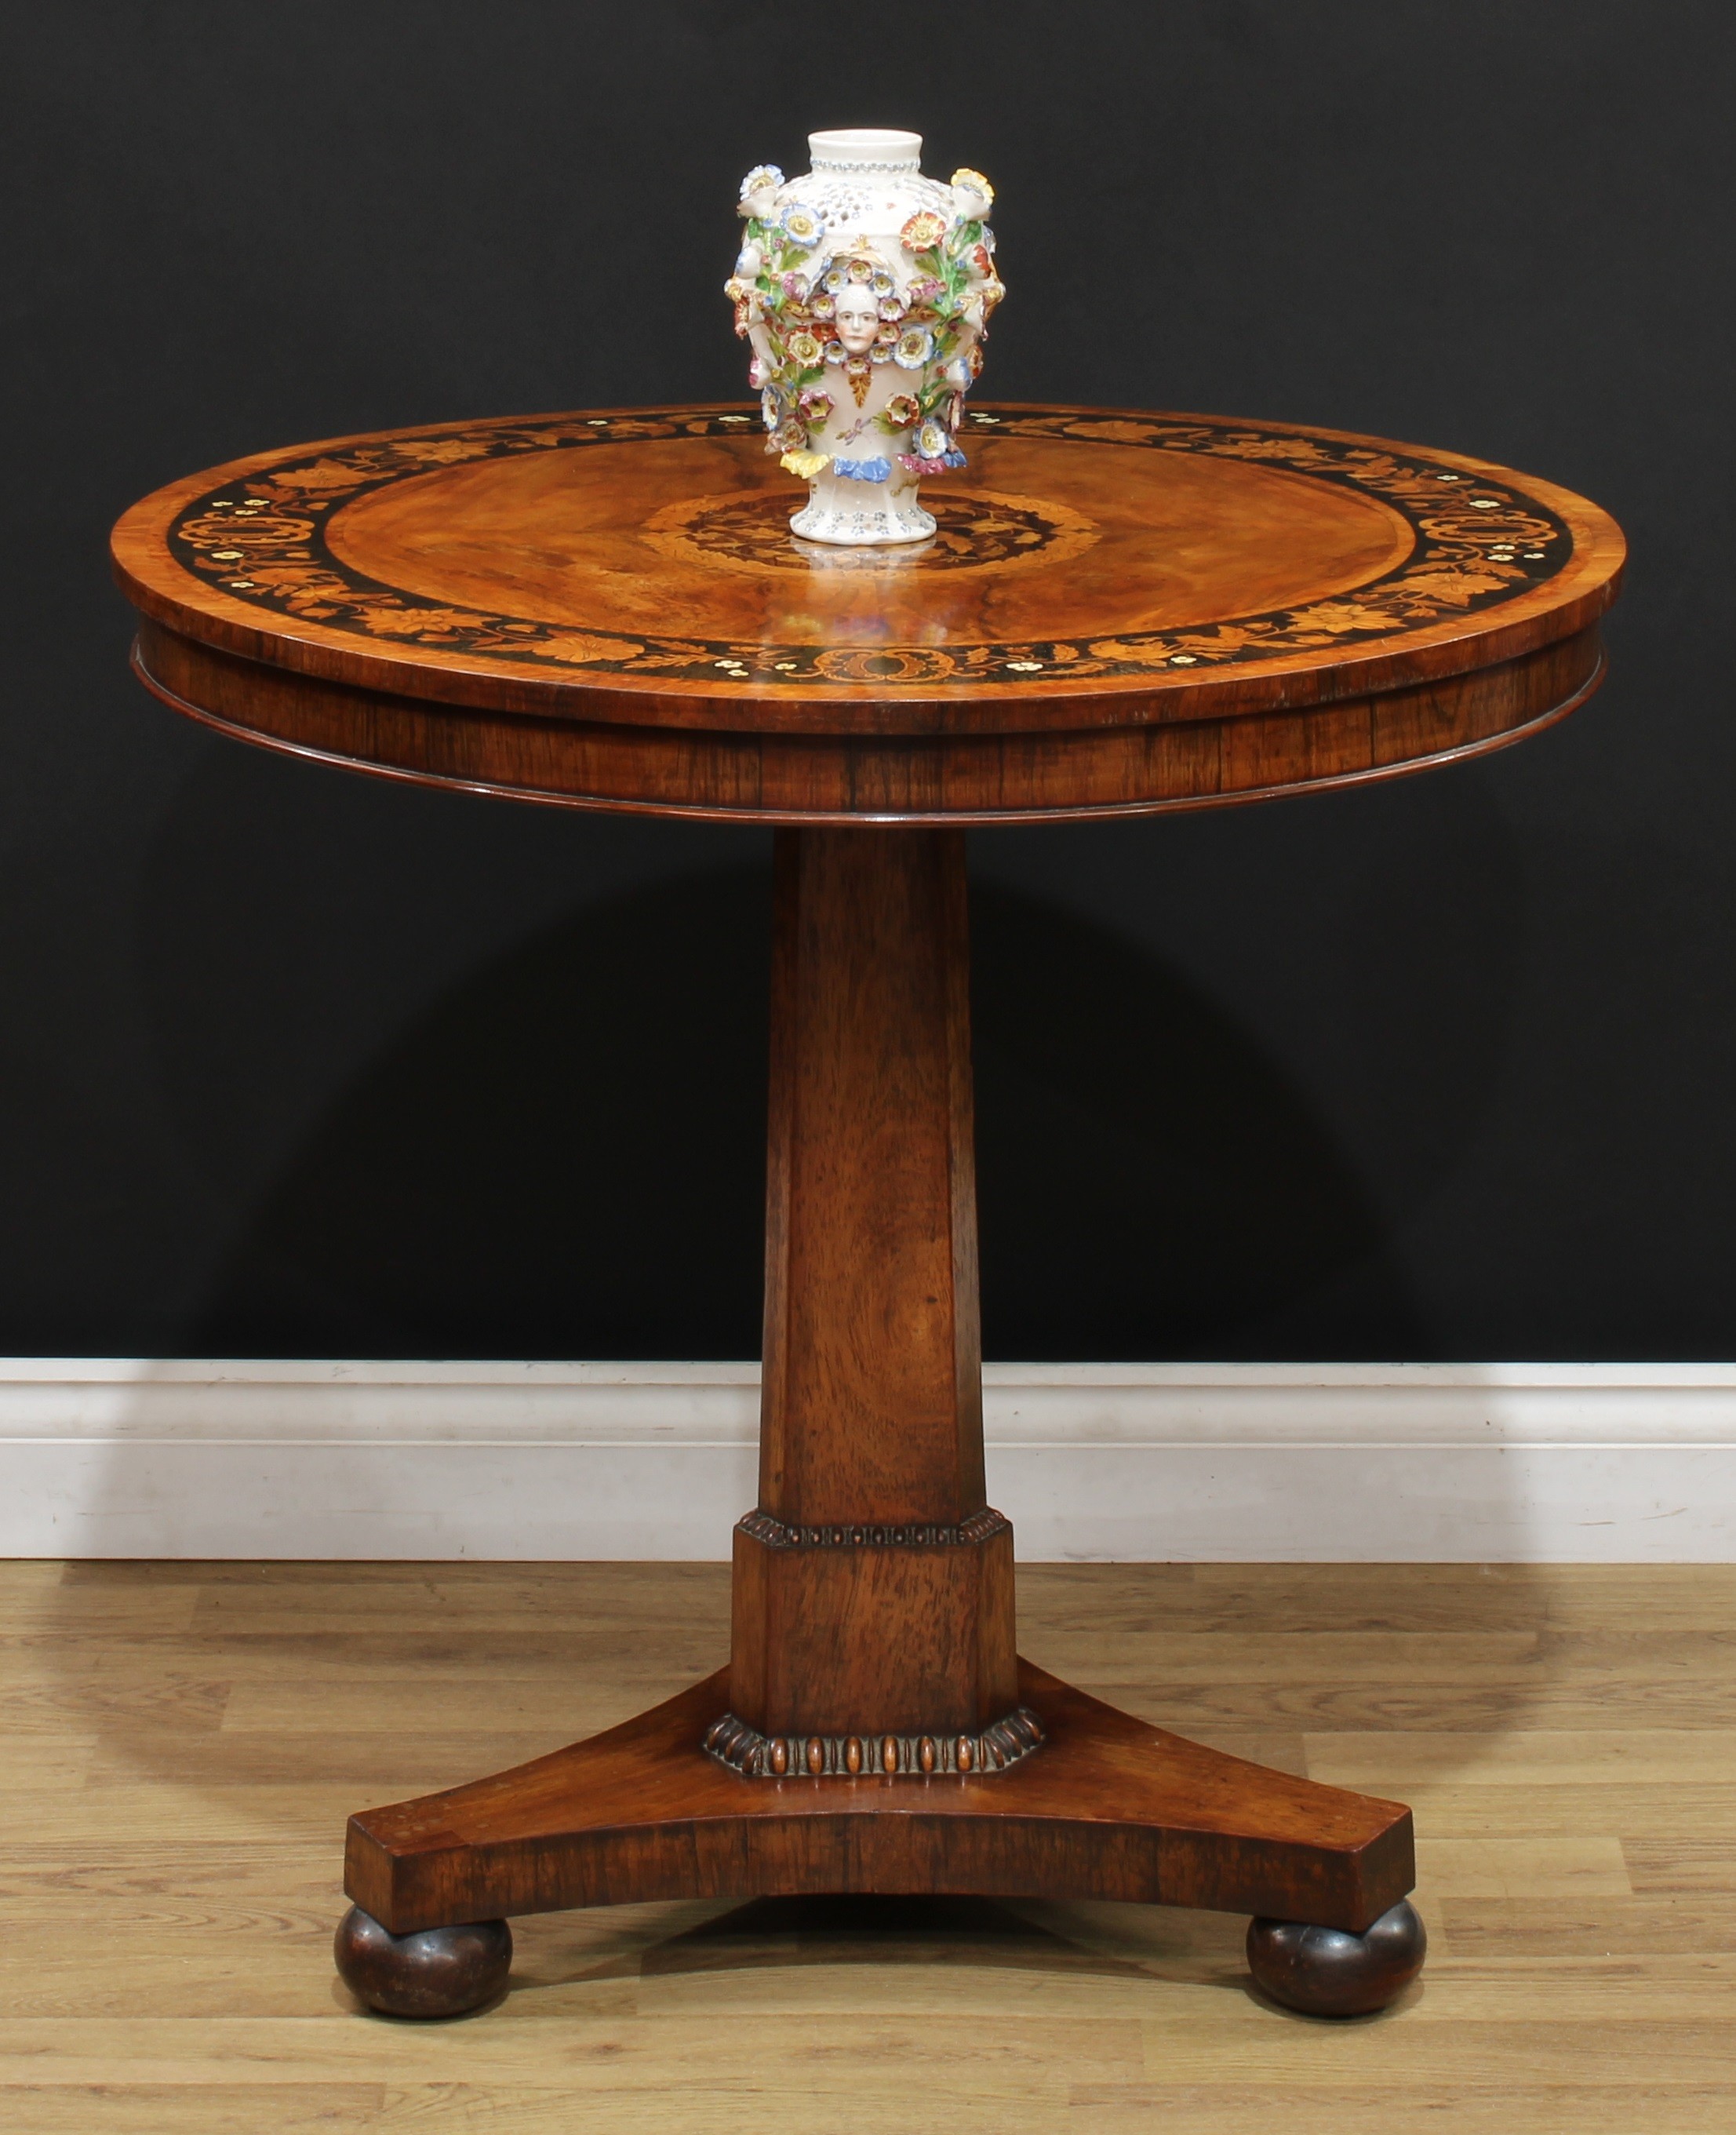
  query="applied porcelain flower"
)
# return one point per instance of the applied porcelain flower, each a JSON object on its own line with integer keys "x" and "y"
{"x": 801, "y": 226}
{"x": 915, "y": 346}
{"x": 923, "y": 232}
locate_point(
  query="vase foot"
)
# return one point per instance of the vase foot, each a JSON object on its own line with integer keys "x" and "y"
{"x": 1329, "y": 1972}
{"x": 872, "y": 523}
{"x": 438, "y": 1972}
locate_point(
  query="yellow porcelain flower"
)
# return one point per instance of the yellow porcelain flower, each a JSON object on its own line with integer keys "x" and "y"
{"x": 807, "y": 465}
{"x": 974, "y": 181}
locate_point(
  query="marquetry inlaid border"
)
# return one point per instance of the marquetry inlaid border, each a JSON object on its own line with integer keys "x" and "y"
{"x": 1481, "y": 540}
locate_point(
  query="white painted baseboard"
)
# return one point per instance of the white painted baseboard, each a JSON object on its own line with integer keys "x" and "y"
{"x": 1507, "y": 1463}
{"x": 1424, "y": 1464}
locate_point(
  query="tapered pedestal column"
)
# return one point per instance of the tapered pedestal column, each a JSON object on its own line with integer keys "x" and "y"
{"x": 874, "y": 1586}
{"x": 874, "y": 1730}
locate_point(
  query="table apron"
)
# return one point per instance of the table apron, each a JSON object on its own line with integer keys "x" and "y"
{"x": 785, "y": 777}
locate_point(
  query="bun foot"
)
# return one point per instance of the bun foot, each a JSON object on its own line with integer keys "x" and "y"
{"x": 440, "y": 1971}
{"x": 1327, "y": 1972}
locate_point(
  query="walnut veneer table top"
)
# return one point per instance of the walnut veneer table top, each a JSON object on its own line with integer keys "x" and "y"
{"x": 1119, "y": 612}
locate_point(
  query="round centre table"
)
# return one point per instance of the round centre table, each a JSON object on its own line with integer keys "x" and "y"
{"x": 1119, "y": 613}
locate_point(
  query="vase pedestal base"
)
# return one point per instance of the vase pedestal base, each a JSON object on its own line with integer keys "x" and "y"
{"x": 861, "y": 514}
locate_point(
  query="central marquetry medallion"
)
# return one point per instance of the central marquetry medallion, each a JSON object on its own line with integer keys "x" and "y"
{"x": 976, "y": 530}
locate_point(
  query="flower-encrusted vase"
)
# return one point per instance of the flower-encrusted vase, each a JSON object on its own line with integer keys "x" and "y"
{"x": 864, "y": 289}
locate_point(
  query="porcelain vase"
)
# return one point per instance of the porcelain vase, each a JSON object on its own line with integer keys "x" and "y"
{"x": 864, "y": 290}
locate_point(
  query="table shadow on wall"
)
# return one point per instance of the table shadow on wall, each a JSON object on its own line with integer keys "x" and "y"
{"x": 563, "y": 1157}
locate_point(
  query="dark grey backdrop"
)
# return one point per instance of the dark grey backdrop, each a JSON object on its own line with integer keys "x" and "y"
{"x": 292, "y": 1062}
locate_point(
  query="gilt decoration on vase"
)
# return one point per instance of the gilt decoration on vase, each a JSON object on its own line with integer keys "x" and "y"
{"x": 864, "y": 290}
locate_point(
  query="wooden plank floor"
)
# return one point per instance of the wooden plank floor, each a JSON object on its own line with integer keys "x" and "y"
{"x": 182, "y": 1743}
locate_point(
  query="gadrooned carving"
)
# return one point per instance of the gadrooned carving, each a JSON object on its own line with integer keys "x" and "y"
{"x": 872, "y": 1753}
{"x": 980, "y": 1528}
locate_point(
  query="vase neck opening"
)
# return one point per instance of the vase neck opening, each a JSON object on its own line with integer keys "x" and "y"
{"x": 865, "y": 149}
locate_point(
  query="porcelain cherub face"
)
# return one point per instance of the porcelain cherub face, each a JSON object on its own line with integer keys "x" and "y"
{"x": 857, "y": 319}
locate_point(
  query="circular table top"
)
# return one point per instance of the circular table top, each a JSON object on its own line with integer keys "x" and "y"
{"x": 609, "y": 609}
